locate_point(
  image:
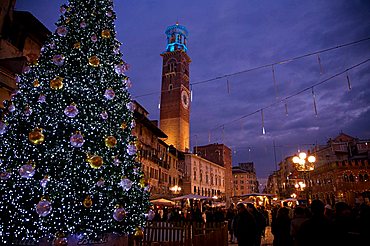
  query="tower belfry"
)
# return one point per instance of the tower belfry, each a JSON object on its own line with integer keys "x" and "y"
{"x": 175, "y": 93}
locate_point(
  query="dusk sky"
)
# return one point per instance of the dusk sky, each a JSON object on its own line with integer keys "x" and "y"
{"x": 231, "y": 37}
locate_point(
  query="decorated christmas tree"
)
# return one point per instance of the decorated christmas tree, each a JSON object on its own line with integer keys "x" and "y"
{"x": 68, "y": 160}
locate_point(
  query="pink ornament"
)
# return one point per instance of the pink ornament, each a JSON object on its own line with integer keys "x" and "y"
{"x": 77, "y": 140}
{"x": 71, "y": 111}
{"x": 43, "y": 208}
{"x": 130, "y": 106}
{"x": 58, "y": 60}
{"x": 42, "y": 98}
{"x": 119, "y": 214}
{"x": 104, "y": 115}
{"x": 109, "y": 13}
{"x": 44, "y": 182}
{"x": 100, "y": 183}
{"x": 26, "y": 69}
{"x": 4, "y": 175}
{"x": 11, "y": 108}
{"x": 131, "y": 149}
{"x": 94, "y": 38}
{"x": 83, "y": 24}
{"x": 2, "y": 127}
{"x": 62, "y": 9}
{"x": 120, "y": 68}
{"x": 126, "y": 184}
{"x": 109, "y": 94}
{"x": 27, "y": 171}
{"x": 62, "y": 31}
{"x": 27, "y": 111}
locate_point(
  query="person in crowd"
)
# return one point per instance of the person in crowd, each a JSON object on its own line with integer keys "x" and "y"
{"x": 230, "y": 214}
{"x": 345, "y": 226}
{"x": 298, "y": 218}
{"x": 244, "y": 226}
{"x": 317, "y": 230}
{"x": 280, "y": 228}
{"x": 260, "y": 222}
{"x": 328, "y": 212}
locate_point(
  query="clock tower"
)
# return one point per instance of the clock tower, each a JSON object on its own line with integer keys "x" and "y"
{"x": 175, "y": 93}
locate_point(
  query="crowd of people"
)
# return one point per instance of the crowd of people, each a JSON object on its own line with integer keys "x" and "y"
{"x": 300, "y": 225}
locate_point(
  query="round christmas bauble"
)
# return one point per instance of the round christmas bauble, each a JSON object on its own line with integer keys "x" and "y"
{"x": 43, "y": 208}
{"x": 62, "y": 9}
{"x": 11, "y": 108}
{"x": 119, "y": 214}
{"x": 109, "y": 14}
{"x": 94, "y": 38}
{"x": 100, "y": 182}
{"x": 62, "y": 31}
{"x": 71, "y": 111}
{"x": 27, "y": 171}
{"x": 139, "y": 234}
{"x": 116, "y": 161}
{"x": 94, "y": 61}
{"x": 120, "y": 68}
{"x": 44, "y": 181}
{"x": 130, "y": 106}
{"x": 82, "y": 24}
{"x": 27, "y": 111}
{"x": 110, "y": 141}
{"x": 36, "y": 83}
{"x": 36, "y": 136}
{"x": 123, "y": 125}
{"x": 58, "y": 60}
{"x": 77, "y": 45}
{"x": 2, "y": 127}
{"x": 105, "y": 33}
{"x": 104, "y": 115}
{"x": 41, "y": 98}
{"x": 95, "y": 161}
{"x": 109, "y": 94}
{"x": 77, "y": 140}
{"x": 4, "y": 175}
{"x": 56, "y": 83}
{"x": 131, "y": 149}
{"x": 87, "y": 202}
{"x": 126, "y": 184}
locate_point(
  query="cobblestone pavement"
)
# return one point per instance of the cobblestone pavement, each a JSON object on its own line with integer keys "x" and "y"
{"x": 266, "y": 241}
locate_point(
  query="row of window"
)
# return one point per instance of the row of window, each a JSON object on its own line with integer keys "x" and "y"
{"x": 213, "y": 180}
{"x": 206, "y": 192}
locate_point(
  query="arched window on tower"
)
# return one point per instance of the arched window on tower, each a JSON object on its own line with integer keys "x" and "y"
{"x": 170, "y": 87}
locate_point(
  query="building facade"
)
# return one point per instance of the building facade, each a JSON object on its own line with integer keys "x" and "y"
{"x": 203, "y": 177}
{"x": 21, "y": 39}
{"x": 341, "y": 173}
{"x": 221, "y": 155}
{"x": 160, "y": 162}
{"x": 244, "y": 179}
{"x": 175, "y": 92}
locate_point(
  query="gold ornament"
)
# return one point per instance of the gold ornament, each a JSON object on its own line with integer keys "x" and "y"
{"x": 68, "y": 20}
{"x": 95, "y": 161}
{"x": 36, "y": 136}
{"x": 87, "y": 202}
{"x": 105, "y": 33}
{"x": 110, "y": 141}
{"x": 144, "y": 182}
{"x": 77, "y": 45}
{"x": 94, "y": 61}
{"x": 56, "y": 83}
{"x": 123, "y": 125}
{"x": 36, "y": 83}
{"x": 139, "y": 234}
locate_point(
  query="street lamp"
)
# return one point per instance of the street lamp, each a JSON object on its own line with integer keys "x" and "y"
{"x": 305, "y": 164}
{"x": 175, "y": 189}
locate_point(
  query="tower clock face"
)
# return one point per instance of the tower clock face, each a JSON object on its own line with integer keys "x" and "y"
{"x": 185, "y": 99}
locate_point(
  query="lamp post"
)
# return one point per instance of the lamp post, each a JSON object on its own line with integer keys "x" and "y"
{"x": 305, "y": 164}
{"x": 175, "y": 189}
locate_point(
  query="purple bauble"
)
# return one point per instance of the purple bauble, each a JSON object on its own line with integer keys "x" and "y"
{"x": 104, "y": 115}
{"x": 17, "y": 79}
{"x": 44, "y": 182}
{"x": 62, "y": 31}
{"x": 109, "y": 13}
{"x": 100, "y": 183}
{"x": 58, "y": 60}
{"x": 42, "y": 99}
{"x": 77, "y": 140}
{"x": 71, "y": 111}
{"x": 52, "y": 45}
{"x": 11, "y": 108}
{"x": 120, "y": 68}
{"x": 116, "y": 50}
{"x": 130, "y": 106}
{"x": 27, "y": 171}
{"x": 2, "y": 127}
{"x": 119, "y": 214}
{"x": 94, "y": 38}
{"x": 4, "y": 175}
{"x": 126, "y": 184}
{"x": 27, "y": 111}
{"x": 83, "y": 24}
{"x": 133, "y": 124}
{"x": 109, "y": 94}
{"x": 62, "y": 9}
{"x": 131, "y": 149}
{"x": 26, "y": 69}
{"x": 116, "y": 161}
{"x": 43, "y": 208}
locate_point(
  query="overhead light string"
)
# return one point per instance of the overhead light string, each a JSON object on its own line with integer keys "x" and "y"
{"x": 263, "y": 123}
{"x": 274, "y": 79}
{"x": 314, "y": 101}
{"x": 348, "y": 82}
{"x": 319, "y": 61}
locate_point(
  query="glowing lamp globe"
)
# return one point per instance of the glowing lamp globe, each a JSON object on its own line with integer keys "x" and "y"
{"x": 295, "y": 159}
{"x": 302, "y": 155}
{"x": 311, "y": 158}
